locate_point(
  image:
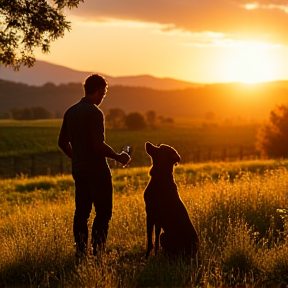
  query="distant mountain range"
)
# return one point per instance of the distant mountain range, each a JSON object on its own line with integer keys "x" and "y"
{"x": 43, "y": 72}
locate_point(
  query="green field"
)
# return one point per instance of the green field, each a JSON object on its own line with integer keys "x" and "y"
{"x": 242, "y": 226}
{"x": 30, "y": 147}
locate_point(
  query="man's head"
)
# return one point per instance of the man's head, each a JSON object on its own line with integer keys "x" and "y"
{"x": 95, "y": 86}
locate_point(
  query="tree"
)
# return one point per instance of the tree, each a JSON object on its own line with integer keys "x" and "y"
{"x": 41, "y": 113}
{"x": 135, "y": 121}
{"x": 272, "y": 138}
{"x": 21, "y": 113}
{"x": 163, "y": 120}
{"x": 115, "y": 118}
{"x": 28, "y": 24}
{"x": 151, "y": 117}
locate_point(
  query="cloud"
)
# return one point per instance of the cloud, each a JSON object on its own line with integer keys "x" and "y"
{"x": 263, "y": 2}
{"x": 272, "y": 5}
{"x": 263, "y": 20}
{"x": 211, "y": 39}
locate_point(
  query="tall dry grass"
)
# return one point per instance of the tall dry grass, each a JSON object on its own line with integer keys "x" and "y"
{"x": 242, "y": 226}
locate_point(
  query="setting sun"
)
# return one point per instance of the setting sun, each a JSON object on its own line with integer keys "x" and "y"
{"x": 250, "y": 62}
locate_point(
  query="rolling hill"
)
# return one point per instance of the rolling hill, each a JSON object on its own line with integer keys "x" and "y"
{"x": 43, "y": 72}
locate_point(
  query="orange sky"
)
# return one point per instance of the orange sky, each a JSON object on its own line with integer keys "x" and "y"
{"x": 193, "y": 40}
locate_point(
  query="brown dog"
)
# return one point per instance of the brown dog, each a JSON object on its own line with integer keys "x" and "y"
{"x": 164, "y": 207}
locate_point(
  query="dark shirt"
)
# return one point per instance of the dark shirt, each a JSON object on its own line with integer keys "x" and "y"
{"x": 84, "y": 125}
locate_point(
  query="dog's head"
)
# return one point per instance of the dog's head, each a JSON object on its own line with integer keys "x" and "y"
{"x": 162, "y": 155}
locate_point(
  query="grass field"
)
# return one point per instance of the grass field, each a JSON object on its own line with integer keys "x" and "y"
{"x": 239, "y": 215}
{"x": 28, "y": 137}
{"x": 30, "y": 147}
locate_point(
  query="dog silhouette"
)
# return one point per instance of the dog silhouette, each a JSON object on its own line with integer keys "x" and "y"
{"x": 164, "y": 207}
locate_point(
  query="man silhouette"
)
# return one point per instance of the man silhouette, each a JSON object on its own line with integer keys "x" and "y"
{"x": 82, "y": 139}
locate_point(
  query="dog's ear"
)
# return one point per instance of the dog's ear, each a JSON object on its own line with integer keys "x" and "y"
{"x": 149, "y": 144}
{"x": 150, "y": 148}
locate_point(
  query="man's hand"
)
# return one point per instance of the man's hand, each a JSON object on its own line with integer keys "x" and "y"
{"x": 123, "y": 158}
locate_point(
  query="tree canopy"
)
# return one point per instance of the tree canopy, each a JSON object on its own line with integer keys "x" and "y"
{"x": 29, "y": 24}
{"x": 273, "y": 135}
{"x": 135, "y": 121}
{"x": 115, "y": 118}
{"x": 30, "y": 113}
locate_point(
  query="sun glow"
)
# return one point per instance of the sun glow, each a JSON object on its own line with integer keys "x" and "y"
{"x": 251, "y": 6}
{"x": 251, "y": 62}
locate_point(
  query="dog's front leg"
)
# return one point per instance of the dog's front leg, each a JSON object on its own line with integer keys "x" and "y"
{"x": 157, "y": 238}
{"x": 150, "y": 225}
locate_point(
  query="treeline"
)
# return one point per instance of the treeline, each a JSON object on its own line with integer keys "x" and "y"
{"x": 116, "y": 118}
{"x": 28, "y": 113}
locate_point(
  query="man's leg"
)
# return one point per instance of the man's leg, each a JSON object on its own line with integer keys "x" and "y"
{"x": 102, "y": 198}
{"x": 100, "y": 230}
{"x": 83, "y": 203}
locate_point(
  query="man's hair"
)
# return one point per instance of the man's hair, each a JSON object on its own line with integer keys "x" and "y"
{"x": 93, "y": 83}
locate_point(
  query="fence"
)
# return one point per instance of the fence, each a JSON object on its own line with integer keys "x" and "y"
{"x": 220, "y": 153}
{"x": 52, "y": 163}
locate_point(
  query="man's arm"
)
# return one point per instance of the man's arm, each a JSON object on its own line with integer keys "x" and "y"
{"x": 63, "y": 141}
{"x": 107, "y": 151}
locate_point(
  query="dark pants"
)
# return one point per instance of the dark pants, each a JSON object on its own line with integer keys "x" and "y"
{"x": 92, "y": 188}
